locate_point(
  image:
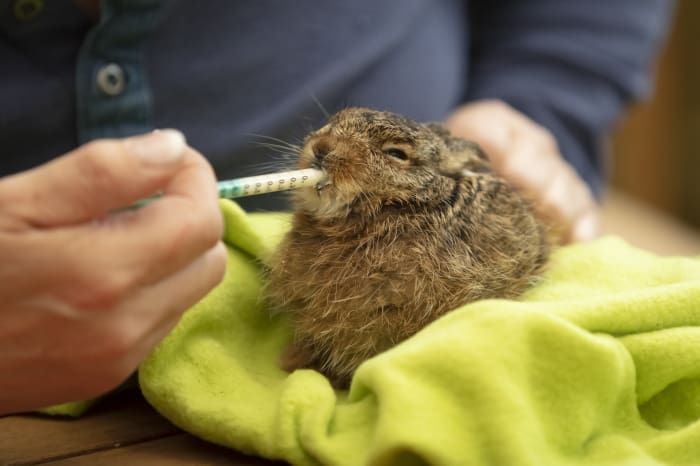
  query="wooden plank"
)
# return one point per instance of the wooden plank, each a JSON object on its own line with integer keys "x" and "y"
{"x": 121, "y": 419}
{"x": 179, "y": 450}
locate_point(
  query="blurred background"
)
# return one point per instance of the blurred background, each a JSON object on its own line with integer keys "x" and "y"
{"x": 655, "y": 197}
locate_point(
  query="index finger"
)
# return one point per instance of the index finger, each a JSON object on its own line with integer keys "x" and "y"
{"x": 92, "y": 180}
{"x": 173, "y": 230}
{"x": 136, "y": 248}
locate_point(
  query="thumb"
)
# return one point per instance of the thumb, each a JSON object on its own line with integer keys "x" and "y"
{"x": 93, "y": 179}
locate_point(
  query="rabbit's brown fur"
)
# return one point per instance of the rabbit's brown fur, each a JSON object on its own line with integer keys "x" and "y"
{"x": 387, "y": 245}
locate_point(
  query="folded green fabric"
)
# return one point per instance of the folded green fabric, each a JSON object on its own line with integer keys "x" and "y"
{"x": 599, "y": 364}
{"x": 69, "y": 409}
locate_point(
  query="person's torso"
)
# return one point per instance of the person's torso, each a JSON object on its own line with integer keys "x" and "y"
{"x": 227, "y": 74}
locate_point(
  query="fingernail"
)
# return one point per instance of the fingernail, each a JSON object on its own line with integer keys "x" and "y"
{"x": 160, "y": 147}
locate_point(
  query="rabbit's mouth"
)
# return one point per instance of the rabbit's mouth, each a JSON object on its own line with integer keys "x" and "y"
{"x": 324, "y": 202}
{"x": 323, "y": 184}
{"x": 325, "y": 181}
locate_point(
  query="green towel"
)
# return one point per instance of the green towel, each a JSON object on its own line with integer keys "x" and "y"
{"x": 599, "y": 364}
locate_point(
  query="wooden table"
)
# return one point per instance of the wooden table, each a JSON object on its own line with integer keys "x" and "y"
{"x": 123, "y": 429}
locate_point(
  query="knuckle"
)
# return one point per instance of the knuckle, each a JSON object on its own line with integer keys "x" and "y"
{"x": 558, "y": 198}
{"x": 104, "y": 292}
{"x": 94, "y": 166}
{"x": 557, "y": 186}
{"x": 212, "y": 225}
{"x": 546, "y": 140}
{"x": 203, "y": 227}
{"x": 117, "y": 344}
{"x": 184, "y": 234}
{"x": 116, "y": 350}
{"x": 194, "y": 233}
{"x": 218, "y": 265}
{"x": 512, "y": 167}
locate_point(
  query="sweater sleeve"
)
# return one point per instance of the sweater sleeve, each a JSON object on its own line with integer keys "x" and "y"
{"x": 570, "y": 66}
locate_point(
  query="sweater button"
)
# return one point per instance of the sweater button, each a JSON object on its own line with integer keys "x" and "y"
{"x": 111, "y": 79}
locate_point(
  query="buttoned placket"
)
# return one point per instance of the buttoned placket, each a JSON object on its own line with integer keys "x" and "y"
{"x": 113, "y": 97}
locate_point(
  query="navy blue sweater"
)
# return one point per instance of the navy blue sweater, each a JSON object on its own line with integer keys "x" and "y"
{"x": 228, "y": 72}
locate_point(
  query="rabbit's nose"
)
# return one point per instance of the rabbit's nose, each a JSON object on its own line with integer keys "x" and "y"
{"x": 321, "y": 150}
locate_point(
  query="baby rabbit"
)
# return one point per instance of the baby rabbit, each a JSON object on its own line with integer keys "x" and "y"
{"x": 409, "y": 223}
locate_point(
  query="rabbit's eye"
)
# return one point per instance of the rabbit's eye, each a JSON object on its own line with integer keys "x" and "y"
{"x": 394, "y": 152}
{"x": 398, "y": 149}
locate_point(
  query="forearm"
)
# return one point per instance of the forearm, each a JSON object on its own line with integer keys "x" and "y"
{"x": 571, "y": 67}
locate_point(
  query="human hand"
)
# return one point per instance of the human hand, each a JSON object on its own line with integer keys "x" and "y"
{"x": 527, "y": 155}
{"x": 86, "y": 290}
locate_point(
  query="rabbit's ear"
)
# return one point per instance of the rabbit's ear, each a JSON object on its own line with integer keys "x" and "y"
{"x": 456, "y": 144}
{"x": 463, "y": 156}
{"x": 465, "y": 149}
{"x": 438, "y": 129}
